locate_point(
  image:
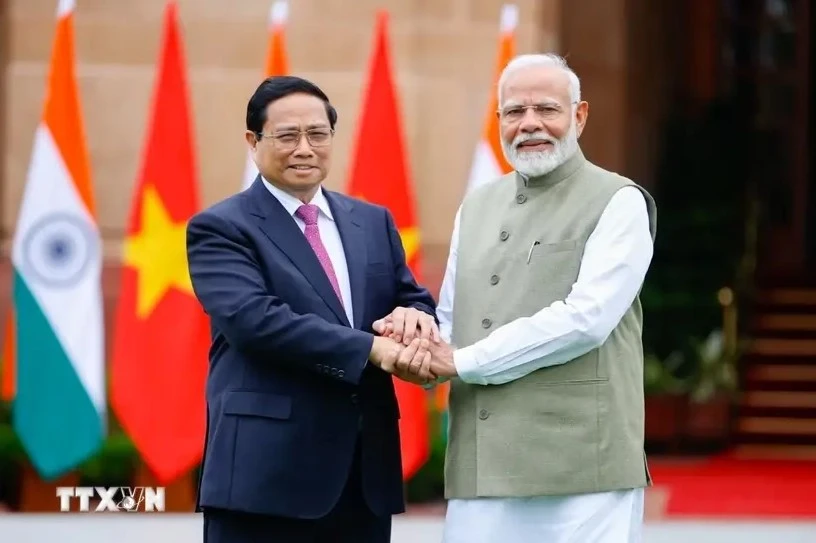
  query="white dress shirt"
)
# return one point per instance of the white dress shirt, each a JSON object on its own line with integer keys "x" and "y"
{"x": 329, "y": 234}
{"x": 613, "y": 267}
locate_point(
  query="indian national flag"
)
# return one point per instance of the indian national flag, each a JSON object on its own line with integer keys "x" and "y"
{"x": 488, "y": 160}
{"x": 60, "y": 398}
{"x": 276, "y": 64}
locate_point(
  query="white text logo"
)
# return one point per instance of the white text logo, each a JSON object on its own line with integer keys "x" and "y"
{"x": 115, "y": 498}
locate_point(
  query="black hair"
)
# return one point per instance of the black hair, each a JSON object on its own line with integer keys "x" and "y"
{"x": 276, "y": 87}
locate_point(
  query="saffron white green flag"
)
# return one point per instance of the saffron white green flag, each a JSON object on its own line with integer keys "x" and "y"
{"x": 277, "y": 63}
{"x": 60, "y": 402}
{"x": 488, "y": 160}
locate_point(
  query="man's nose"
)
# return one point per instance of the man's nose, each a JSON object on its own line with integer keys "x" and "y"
{"x": 531, "y": 121}
{"x": 303, "y": 148}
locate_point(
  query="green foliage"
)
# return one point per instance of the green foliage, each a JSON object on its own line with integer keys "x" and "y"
{"x": 659, "y": 376}
{"x": 716, "y": 371}
{"x": 114, "y": 465}
{"x": 428, "y": 483}
{"x": 11, "y": 450}
{"x": 713, "y": 369}
{"x": 702, "y": 238}
{"x": 12, "y": 453}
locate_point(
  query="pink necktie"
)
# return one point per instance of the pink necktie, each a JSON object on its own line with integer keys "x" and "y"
{"x": 308, "y": 213}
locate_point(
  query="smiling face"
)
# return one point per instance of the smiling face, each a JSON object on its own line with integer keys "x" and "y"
{"x": 295, "y": 148}
{"x": 540, "y": 123}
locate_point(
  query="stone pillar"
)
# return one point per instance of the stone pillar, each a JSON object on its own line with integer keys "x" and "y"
{"x": 594, "y": 40}
{"x": 626, "y": 77}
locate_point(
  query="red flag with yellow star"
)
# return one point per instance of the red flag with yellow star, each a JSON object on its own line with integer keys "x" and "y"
{"x": 379, "y": 174}
{"x": 159, "y": 364}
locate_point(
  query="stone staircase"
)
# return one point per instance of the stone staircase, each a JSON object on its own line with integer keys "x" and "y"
{"x": 777, "y": 411}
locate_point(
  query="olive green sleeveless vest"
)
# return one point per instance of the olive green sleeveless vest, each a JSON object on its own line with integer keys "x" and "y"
{"x": 567, "y": 429}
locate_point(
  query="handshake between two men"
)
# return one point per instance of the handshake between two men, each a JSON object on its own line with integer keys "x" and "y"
{"x": 409, "y": 346}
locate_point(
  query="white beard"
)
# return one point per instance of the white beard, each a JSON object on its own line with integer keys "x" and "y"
{"x": 538, "y": 163}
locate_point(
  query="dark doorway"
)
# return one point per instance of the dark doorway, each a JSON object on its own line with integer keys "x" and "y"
{"x": 765, "y": 61}
{"x": 807, "y": 120}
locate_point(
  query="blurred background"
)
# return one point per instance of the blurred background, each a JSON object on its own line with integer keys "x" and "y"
{"x": 706, "y": 103}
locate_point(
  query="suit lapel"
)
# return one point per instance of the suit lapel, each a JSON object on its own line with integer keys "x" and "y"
{"x": 354, "y": 246}
{"x": 282, "y": 230}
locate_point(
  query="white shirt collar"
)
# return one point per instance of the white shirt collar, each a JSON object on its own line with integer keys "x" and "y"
{"x": 291, "y": 204}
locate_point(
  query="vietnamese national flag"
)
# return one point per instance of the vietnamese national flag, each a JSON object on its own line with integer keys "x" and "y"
{"x": 277, "y": 63}
{"x": 159, "y": 365}
{"x": 379, "y": 174}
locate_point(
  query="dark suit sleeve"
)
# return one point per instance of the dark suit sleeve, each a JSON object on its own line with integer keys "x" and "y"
{"x": 409, "y": 293}
{"x": 229, "y": 285}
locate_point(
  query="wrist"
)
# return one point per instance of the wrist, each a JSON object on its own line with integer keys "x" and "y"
{"x": 374, "y": 344}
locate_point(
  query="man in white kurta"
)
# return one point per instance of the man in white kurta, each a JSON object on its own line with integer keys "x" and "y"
{"x": 613, "y": 264}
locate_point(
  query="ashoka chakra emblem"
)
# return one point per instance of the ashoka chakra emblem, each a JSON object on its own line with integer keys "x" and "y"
{"x": 58, "y": 249}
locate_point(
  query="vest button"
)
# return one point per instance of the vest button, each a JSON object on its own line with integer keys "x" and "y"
{"x": 483, "y": 414}
{"x": 521, "y": 198}
{"x": 504, "y": 235}
{"x": 486, "y": 323}
{"x": 494, "y": 279}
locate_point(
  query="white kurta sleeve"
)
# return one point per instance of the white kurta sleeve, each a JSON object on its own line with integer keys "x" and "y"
{"x": 444, "y": 309}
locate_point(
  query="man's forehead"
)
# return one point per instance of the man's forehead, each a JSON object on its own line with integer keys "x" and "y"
{"x": 297, "y": 109}
{"x": 293, "y": 124}
{"x": 539, "y": 81}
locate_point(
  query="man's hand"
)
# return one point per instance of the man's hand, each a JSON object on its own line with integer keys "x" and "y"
{"x": 442, "y": 360}
{"x": 411, "y": 363}
{"x": 414, "y": 362}
{"x": 384, "y": 353}
{"x": 403, "y": 324}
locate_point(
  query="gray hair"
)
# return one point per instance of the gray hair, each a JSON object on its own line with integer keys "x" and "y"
{"x": 541, "y": 59}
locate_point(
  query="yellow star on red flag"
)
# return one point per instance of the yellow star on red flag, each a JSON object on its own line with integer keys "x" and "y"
{"x": 158, "y": 253}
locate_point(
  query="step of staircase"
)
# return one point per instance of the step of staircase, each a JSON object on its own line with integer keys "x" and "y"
{"x": 775, "y": 452}
{"x": 785, "y": 322}
{"x": 777, "y": 408}
{"x": 772, "y": 399}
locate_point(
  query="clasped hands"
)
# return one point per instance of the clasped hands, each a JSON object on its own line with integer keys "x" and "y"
{"x": 409, "y": 346}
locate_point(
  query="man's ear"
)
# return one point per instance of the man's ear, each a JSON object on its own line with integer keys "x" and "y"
{"x": 251, "y": 139}
{"x": 581, "y": 115}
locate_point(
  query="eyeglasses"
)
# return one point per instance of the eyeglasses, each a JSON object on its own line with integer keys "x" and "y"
{"x": 546, "y": 111}
{"x": 287, "y": 141}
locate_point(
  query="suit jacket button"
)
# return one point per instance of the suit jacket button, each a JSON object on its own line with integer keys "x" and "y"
{"x": 355, "y": 399}
{"x": 504, "y": 235}
{"x": 341, "y": 373}
{"x": 486, "y": 323}
{"x": 483, "y": 414}
{"x": 494, "y": 279}
{"x": 521, "y": 198}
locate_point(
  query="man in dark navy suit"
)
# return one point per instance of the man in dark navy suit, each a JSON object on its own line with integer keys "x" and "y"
{"x": 302, "y": 423}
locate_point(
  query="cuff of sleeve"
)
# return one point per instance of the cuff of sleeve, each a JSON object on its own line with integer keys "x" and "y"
{"x": 467, "y": 366}
{"x": 354, "y": 373}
